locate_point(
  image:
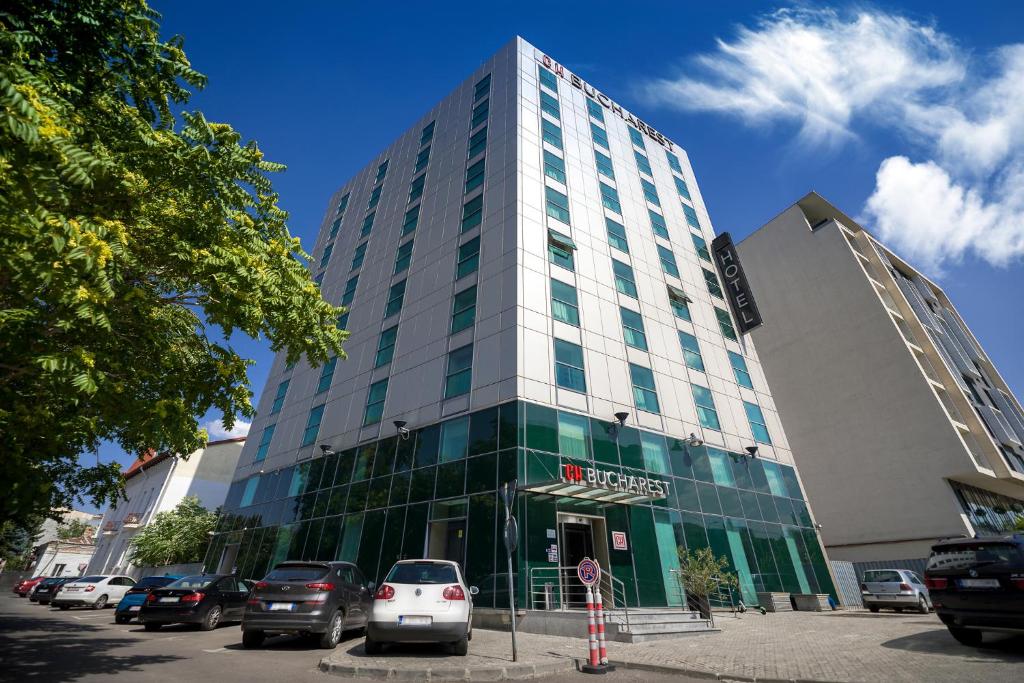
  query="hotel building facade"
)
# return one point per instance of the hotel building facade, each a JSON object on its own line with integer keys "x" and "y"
{"x": 531, "y": 298}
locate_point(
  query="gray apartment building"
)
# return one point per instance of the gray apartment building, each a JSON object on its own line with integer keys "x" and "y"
{"x": 902, "y": 427}
{"x": 530, "y": 297}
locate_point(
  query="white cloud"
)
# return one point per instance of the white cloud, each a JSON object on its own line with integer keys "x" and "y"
{"x": 835, "y": 74}
{"x": 216, "y": 430}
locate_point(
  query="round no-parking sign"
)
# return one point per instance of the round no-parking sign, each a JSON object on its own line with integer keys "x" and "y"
{"x": 589, "y": 571}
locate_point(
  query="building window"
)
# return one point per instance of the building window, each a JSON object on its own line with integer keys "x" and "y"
{"x": 460, "y": 371}
{"x": 326, "y": 255}
{"x": 282, "y": 391}
{"x": 350, "y": 290}
{"x": 712, "y": 282}
{"x": 644, "y": 394}
{"x": 335, "y": 227}
{"x": 691, "y": 351}
{"x": 475, "y": 176}
{"x": 569, "y": 366}
{"x": 358, "y": 256}
{"x": 684, "y": 192}
{"x": 375, "y": 197}
{"x": 643, "y": 164}
{"x": 375, "y": 398}
{"x": 395, "y": 298}
{"x": 482, "y": 87}
{"x": 599, "y": 135}
{"x": 454, "y": 440}
{"x": 428, "y": 133}
{"x": 673, "y": 162}
{"x": 464, "y": 309}
{"x": 624, "y": 280}
{"x": 691, "y": 216}
{"x": 668, "y": 261}
{"x": 473, "y": 213}
{"x": 636, "y": 137}
{"x": 604, "y": 165}
{"x": 650, "y": 192}
{"x": 326, "y": 375}
{"x": 564, "y": 304}
{"x": 594, "y": 109}
{"x": 469, "y": 258}
{"x": 739, "y": 369}
{"x": 422, "y": 159}
{"x": 574, "y": 435}
{"x": 679, "y": 302}
{"x": 412, "y": 218}
{"x": 548, "y": 79}
{"x": 633, "y": 328}
{"x": 560, "y": 248}
{"x": 658, "y": 224}
{"x": 416, "y": 189}
{"x": 610, "y": 198}
{"x": 554, "y": 167}
{"x": 343, "y": 204}
{"x": 706, "y": 412}
{"x": 551, "y": 133}
{"x": 312, "y": 425}
{"x": 480, "y": 112}
{"x": 342, "y": 323}
{"x": 382, "y": 171}
{"x": 265, "y": 439}
{"x": 549, "y": 105}
{"x": 617, "y": 235}
{"x": 386, "y": 346}
{"x": 701, "y": 246}
{"x": 477, "y": 142}
{"x": 725, "y": 324}
{"x": 557, "y": 204}
{"x": 367, "y": 225}
{"x": 319, "y": 278}
{"x": 403, "y": 256}
{"x": 757, "y": 426}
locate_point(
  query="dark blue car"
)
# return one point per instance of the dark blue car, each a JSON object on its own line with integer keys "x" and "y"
{"x": 133, "y": 600}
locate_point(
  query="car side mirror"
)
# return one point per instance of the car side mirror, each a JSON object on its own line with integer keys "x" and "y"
{"x": 370, "y": 585}
{"x": 473, "y": 590}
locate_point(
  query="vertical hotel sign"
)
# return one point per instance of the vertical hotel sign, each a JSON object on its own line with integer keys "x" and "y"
{"x": 741, "y": 300}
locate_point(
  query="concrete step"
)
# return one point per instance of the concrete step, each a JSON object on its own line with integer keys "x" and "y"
{"x": 668, "y": 617}
{"x": 645, "y": 632}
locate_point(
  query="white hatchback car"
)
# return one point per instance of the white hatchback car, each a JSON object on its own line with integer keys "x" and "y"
{"x": 93, "y": 591}
{"x": 422, "y": 601}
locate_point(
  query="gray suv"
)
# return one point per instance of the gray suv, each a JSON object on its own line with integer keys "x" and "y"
{"x": 896, "y": 589}
{"x": 320, "y": 599}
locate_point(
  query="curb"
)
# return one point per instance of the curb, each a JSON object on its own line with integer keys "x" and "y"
{"x": 509, "y": 672}
{"x": 709, "y": 675}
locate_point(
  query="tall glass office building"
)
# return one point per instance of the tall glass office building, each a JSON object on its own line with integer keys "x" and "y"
{"x": 531, "y": 297}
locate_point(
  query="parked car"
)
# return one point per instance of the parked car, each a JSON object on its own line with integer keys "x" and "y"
{"x": 204, "y": 599}
{"x": 133, "y": 600}
{"x": 896, "y": 589}
{"x": 97, "y": 591}
{"x": 23, "y": 587}
{"x": 977, "y": 585}
{"x": 45, "y": 590}
{"x": 422, "y": 601}
{"x": 321, "y": 599}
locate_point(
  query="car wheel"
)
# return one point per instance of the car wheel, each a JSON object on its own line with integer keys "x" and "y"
{"x": 332, "y": 636}
{"x": 874, "y": 610}
{"x": 100, "y": 603}
{"x": 119, "y": 619}
{"x": 460, "y": 647}
{"x": 966, "y": 636}
{"x": 211, "y": 619}
{"x": 922, "y": 605}
{"x": 252, "y": 639}
{"x": 63, "y": 607}
{"x": 372, "y": 647}
{"x": 151, "y": 626}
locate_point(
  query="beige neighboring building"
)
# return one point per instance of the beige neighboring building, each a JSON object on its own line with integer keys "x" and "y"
{"x": 902, "y": 427}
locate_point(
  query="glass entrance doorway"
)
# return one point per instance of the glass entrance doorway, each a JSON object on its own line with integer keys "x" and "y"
{"x": 578, "y": 537}
{"x": 446, "y": 533}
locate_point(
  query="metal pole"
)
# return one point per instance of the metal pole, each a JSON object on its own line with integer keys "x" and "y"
{"x": 511, "y": 541}
{"x": 512, "y": 607}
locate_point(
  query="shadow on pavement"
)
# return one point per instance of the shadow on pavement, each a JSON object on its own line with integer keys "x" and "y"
{"x": 74, "y": 654}
{"x": 287, "y": 642}
{"x": 996, "y": 647}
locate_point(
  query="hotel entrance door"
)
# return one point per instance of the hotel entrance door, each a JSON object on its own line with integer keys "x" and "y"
{"x": 576, "y": 541}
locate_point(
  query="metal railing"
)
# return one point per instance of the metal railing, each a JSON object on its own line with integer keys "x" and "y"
{"x": 559, "y": 588}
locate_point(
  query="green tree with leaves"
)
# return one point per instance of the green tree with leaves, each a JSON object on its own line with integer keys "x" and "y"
{"x": 178, "y": 536}
{"x": 17, "y": 538}
{"x": 702, "y": 574}
{"x": 72, "y": 530}
{"x": 135, "y": 242}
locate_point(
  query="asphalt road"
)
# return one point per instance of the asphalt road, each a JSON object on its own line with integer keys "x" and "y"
{"x": 50, "y": 646}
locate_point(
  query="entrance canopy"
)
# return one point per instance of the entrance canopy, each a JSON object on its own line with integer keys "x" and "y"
{"x": 558, "y": 487}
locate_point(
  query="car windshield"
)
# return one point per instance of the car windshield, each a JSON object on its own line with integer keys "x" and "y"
{"x": 90, "y": 579}
{"x": 882, "y": 576}
{"x": 48, "y": 582}
{"x": 153, "y": 582}
{"x": 296, "y": 572}
{"x": 191, "y": 582}
{"x": 966, "y": 555}
{"x": 422, "y": 573}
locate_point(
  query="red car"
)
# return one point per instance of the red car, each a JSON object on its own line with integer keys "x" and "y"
{"x": 22, "y": 588}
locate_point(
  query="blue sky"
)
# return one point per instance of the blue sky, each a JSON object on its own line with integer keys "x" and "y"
{"x": 911, "y": 100}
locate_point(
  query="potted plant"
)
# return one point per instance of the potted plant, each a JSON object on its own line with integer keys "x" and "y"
{"x": 701, "y": 574}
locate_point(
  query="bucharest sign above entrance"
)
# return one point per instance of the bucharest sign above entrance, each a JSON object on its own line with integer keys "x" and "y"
{"x": 605, "y": 486}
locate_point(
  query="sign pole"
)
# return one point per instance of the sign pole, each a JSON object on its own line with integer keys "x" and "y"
{"x": 589, "y": 573}
{"x": 508, "y": 494}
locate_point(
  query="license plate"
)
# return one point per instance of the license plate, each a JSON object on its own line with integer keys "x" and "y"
{"x": 168, "y": 599}
{"x": 71, "y": 589}
{"x": 885, "y": 597}
{"x": 979, "y": 583}
{"x": 281, "y": 606}
{"x": 42, "y": 590}
{"x": 134, "y": 608}
{"x": 414, "y": 621}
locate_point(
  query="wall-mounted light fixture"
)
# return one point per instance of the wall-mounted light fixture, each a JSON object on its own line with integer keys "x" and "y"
{"x": 403, "y": 431}
{"x": 620, "y": 418}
